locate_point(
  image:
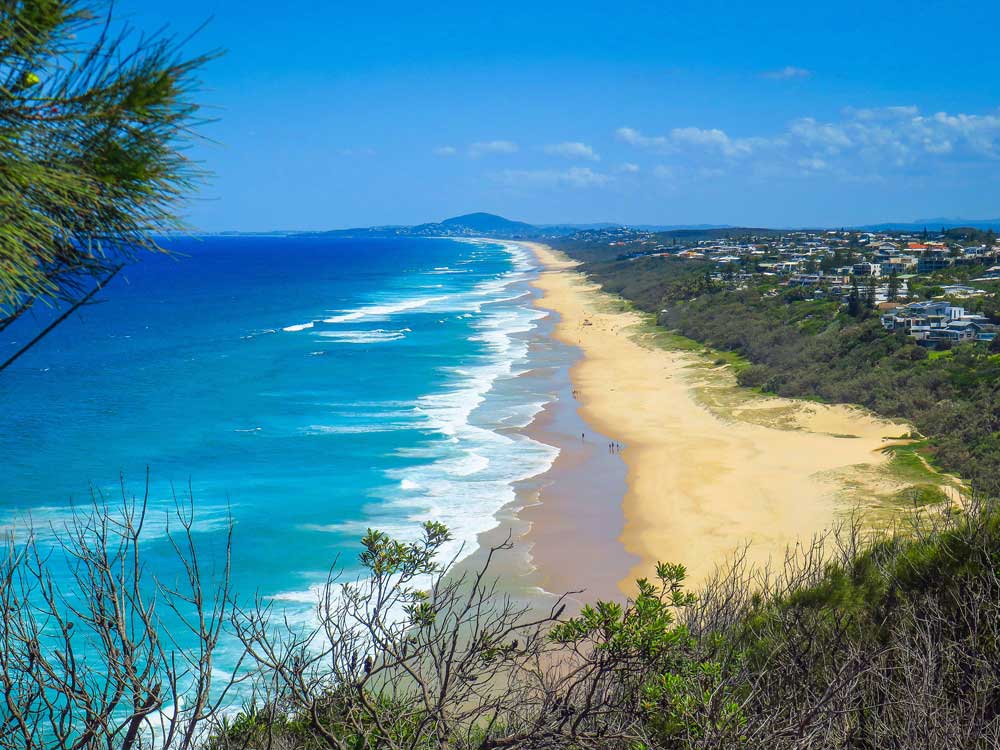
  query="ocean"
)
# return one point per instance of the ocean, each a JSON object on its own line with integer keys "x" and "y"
{"x": 307, "y": 388}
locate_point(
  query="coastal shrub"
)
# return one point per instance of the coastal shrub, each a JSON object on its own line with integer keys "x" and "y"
{"x": 867, "y": 640}
{"x": 417, "y": 653}
{"x": 859, "y": 640}
{"x": 88, "y": 655}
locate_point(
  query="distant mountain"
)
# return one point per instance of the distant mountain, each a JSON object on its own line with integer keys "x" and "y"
{"x": 491, "y": 223}
{"x": 678, "y": 227}
{"x": 478, "y": 224}
{"x": 568, "y": 228}
{"x": 932, "y": 225}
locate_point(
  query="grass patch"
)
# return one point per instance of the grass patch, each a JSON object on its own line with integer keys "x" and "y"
{"x": 911, "y": 463}
{"x": 663, "y": 338}
{"x": 921, "y": 494}
{"x": 732, "y": 359}
{"x": 813, "y": 399}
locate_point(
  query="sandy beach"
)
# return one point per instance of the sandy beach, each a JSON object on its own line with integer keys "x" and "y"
{"x": 710, "y": 466}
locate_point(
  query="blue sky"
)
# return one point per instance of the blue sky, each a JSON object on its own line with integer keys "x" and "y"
{"x": 337, "y": 114}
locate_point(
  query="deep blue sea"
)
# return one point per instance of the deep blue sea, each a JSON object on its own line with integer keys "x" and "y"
{"x": 309, "y": 387}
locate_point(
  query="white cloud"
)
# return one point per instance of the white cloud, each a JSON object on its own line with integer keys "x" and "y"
{"x": 629, "y": 167}
{"x": 633, "y": 137}
{"x": 831, "y": 137}
{"x": 481, "y": 148}
{"x": 572, "y": 150}
{"x": 787, "y": 73}
{"x": 445, "y": 151}
{"x": 861, "y": 144}
{"x": 712, "y": 139}
{"x": 681, "y": 139}
{"x": 575, "y": 177}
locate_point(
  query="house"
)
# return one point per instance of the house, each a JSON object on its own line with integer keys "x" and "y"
{"x": 867, "y": 269}
{"x": 938, "y": 320}
{"x": 805, "y": 279}
{"x": 961, "y": 291}
{"x": 787, "y": 266}
{"x": 895, "y": 263}
{"x": 992, "y": 274}
{"x": 936, "y": 260}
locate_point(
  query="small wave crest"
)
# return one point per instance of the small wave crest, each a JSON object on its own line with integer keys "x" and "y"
{"x": 364, "y": 337}
{"x": 383, "y": 310}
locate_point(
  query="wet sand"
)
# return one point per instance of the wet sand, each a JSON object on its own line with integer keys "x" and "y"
{"x": 569, "y": 503}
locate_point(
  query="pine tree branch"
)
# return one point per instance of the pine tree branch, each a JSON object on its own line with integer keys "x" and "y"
{"x": 73, "y": 308}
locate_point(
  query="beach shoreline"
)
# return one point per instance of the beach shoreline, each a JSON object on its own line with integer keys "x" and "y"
{"x": 701, "y": 483}
{"x": 564, "y": 506}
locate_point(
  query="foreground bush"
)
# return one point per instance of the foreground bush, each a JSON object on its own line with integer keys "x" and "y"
{"x": 860, "y": 640}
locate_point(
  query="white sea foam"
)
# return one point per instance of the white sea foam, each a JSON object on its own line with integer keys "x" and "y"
{"x": 353, "y": 429}
{"x": 468, "y": 471}
{"x": 364, "y": 337}
{"x": 299, "y": 327}
{"x": 383, "y": 310}
{"x": 473, "y": 469}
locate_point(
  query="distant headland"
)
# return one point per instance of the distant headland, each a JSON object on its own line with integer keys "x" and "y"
{"x": 482, "y": 224}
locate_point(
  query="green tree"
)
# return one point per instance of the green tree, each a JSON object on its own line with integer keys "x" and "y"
{"x": 893, "y": 294}
{"x": 854, "y": 307}
{"x": 92, "y": 129}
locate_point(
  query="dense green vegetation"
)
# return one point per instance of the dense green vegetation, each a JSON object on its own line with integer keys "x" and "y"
{"x": 860, "y": 641}
{"x": 804, "y": 347}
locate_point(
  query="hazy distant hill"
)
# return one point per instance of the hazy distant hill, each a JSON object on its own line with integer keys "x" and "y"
{"x": 478, "y": 224}
{"x": 933, "y": 225}
{"x": 483, "y": 222}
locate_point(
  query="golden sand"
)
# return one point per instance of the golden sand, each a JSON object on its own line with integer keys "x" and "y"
{"x": 702, "y": 480}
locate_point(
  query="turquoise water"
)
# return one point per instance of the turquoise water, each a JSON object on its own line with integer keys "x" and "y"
{"x": 308, "y": 387}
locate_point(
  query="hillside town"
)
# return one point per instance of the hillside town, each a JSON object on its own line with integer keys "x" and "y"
{"x": 923, "y": 284}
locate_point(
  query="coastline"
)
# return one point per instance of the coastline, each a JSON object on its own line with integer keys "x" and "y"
{"x": 565, "y": 506}
{"x": 701, "y": 482}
